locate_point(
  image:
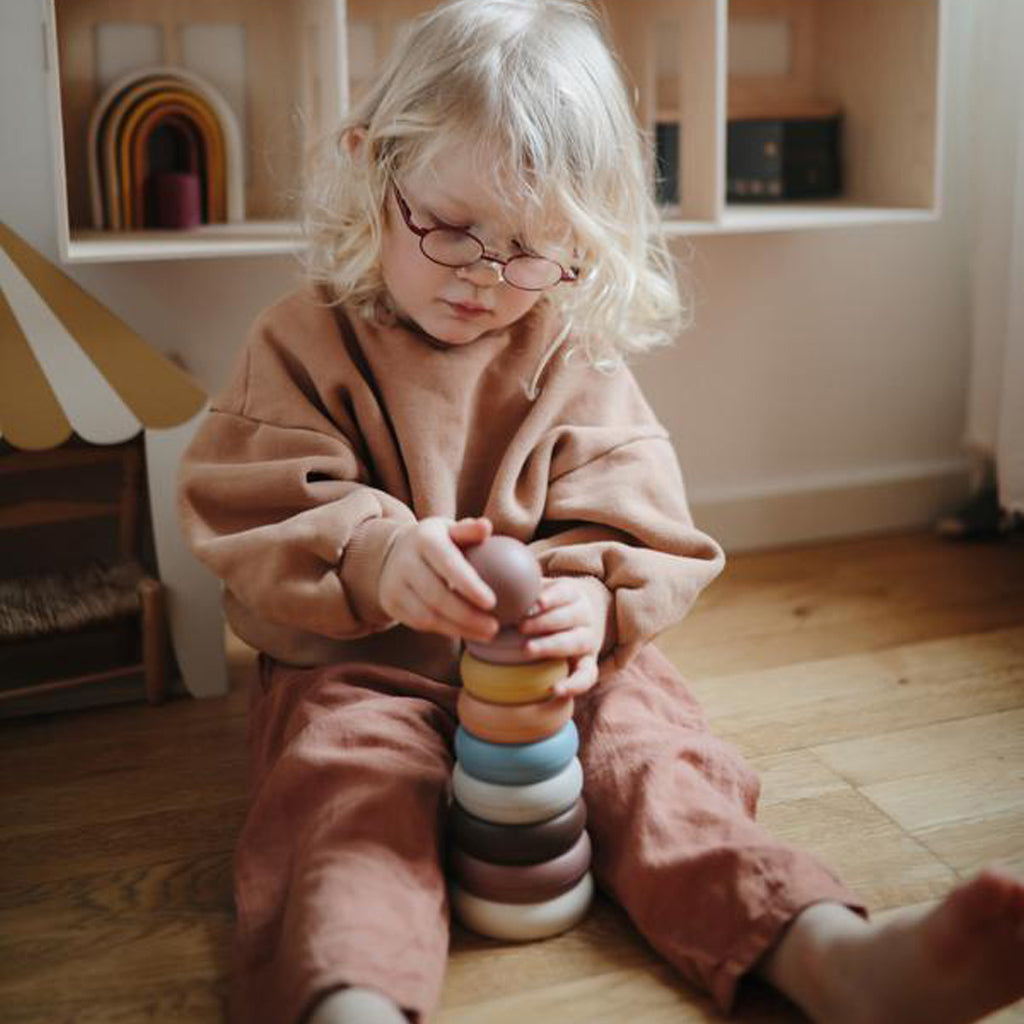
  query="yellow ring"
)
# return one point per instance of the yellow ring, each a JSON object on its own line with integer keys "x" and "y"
{"x": 511, "y": 684}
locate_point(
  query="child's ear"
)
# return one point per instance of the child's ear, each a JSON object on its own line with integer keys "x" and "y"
{"x": 354, "y": 139}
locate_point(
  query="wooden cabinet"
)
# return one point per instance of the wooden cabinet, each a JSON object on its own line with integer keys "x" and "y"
{"x": 287, "y": 67}
{"x": 82, "y": 614}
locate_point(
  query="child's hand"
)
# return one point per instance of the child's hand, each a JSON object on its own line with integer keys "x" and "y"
{"x": 568, "y": 623}
{"x": 426, "y": 582}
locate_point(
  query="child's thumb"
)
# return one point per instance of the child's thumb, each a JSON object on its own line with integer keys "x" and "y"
{"x": 472, "y": 530}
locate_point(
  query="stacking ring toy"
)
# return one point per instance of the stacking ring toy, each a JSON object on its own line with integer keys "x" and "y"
{"x": 531, "y": 883}
{"x": 507, "y": 647}
{"x": 523, "y": 922}
{"x": 518, "y": 805}
{"x": 513, "y": 723}
{"x": 516, "y": 764}
{"x": 511, "y": 684}
{"x": 517, "y": 844}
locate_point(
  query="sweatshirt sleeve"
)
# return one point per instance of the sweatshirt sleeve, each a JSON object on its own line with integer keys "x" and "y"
{"x": 616, "y": 513}
{"x": 276, "y": 500}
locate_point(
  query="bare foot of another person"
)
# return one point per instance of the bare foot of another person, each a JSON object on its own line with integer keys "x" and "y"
{"x": 949, "y": 964}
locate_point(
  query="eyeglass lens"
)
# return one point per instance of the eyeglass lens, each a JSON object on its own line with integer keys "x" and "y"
{"x": 460, "y": 249}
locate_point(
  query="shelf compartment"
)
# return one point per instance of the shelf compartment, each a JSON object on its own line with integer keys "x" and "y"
{"x": 877, "y": 60}
{"x": 673, "y": 54}
{"x": 274, "y": 62}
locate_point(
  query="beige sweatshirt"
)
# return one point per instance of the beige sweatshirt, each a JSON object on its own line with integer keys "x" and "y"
{"x": 334, "y": 434}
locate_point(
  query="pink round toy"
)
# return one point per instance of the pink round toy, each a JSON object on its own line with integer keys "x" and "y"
{"x": 509, "y": 568}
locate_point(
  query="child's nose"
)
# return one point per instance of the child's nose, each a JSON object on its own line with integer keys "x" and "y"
{"x": 484, "y": 273}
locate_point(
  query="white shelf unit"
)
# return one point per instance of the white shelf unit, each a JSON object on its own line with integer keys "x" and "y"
{"x": 877, "y": 61}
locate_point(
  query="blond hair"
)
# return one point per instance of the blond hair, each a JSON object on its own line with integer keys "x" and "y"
{"x": 532, "y": 83}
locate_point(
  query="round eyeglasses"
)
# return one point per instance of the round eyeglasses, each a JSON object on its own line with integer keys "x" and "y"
{"x": 456, "y": 248}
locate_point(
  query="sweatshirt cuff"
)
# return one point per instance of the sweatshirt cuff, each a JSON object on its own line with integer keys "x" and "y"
{"x": 360, "y": 569}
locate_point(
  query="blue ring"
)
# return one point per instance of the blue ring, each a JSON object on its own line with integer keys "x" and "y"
{"x": 516, "y": 764}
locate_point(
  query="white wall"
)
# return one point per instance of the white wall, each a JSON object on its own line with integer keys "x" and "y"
{"x": 821, "y": 393}
{"x": 823, "y": 389}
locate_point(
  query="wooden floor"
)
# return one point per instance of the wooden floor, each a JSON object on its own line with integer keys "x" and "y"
{"x": 877, "y": 684}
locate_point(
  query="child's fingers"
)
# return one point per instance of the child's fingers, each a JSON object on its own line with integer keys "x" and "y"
{"x": 470, "y": 531}
{"x": 452, "y": 607}
{"x": 556, "y": 592}
{"x": 451, "y": 566}
{"x": 569, "y": 643}
{"x": 411, "y": 610}
{"x": 581, "y": 679}
{"x": 552, "y": 620}
{"x": 437, "y": 609}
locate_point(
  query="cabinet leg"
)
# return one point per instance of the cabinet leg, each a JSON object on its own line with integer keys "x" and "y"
{"x": 154, "y": 639}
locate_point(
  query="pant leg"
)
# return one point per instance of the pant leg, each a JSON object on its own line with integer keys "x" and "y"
{"x": 671, "y": 815}
{"x": 338, "y": 877}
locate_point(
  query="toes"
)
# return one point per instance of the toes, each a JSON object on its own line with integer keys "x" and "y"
{"x": 992, "y": 894}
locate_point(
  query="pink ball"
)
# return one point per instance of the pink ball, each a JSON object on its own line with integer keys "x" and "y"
{"x": 509, "y": 568}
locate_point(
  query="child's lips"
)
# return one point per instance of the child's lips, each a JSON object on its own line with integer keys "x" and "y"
{"x": 468, "y": 310}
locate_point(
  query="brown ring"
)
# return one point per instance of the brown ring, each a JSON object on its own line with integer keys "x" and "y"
{"x": 516, "y": 844}
{"x": 522, "y": 883}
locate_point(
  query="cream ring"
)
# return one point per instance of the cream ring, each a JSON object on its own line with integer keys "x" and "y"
{"x": 513, "y": 723}
{"x": 511, "y": 684}
{"x": 524, "y": 922}
{"x": 519, "y": 805}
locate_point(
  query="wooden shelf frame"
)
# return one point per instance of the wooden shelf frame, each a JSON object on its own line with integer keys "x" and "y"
{"x": 879, "y": 60}
{"x": 294, "y": 89}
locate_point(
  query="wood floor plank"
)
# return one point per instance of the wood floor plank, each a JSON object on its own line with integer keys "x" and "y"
{"x": 196, "y": 885}
{"x": 956, "y": 786}
{"x": 777, "y": 607}
{"x": 111, "y": 957}
{"x": 928, "y": 749}
{"x": 883, "y": 865}
{"x": 652, "y": 994}
{"x": 116, "y": 793}
{"x": 483, "y": 969}
{"x": 193, "y": 1002}
{"x": 795, "y": 775}
{"x": 155, "y": 739}
{"x": 985, "y": 793}
{"x": 969, "y": 846}
{"x": 809, "y": 704}
{"x": 31, "y": 859}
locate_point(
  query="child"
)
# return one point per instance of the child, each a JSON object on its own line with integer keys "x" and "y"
{"x": 483, "y": 256}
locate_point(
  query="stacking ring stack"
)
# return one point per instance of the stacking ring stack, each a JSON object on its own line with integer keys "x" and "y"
{"x": 520, "y": 852}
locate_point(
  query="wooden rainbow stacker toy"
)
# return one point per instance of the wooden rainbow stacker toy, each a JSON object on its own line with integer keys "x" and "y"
{"x": 519, "y": 849}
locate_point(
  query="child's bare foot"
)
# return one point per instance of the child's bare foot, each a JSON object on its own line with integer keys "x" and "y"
{"x": 950, "y": 964}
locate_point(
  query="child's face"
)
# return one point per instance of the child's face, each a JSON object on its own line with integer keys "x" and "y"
{"x": 454, "y": 305}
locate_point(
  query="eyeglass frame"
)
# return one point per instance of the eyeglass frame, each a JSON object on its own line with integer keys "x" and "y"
{"x": 571, "y": 275}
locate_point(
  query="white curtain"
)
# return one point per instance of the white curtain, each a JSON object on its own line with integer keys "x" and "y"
{"x": 995, "y": 414}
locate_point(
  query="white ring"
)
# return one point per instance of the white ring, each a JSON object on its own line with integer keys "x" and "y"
{"x": 519, "y": 805}
{"x": 524, "y": 922}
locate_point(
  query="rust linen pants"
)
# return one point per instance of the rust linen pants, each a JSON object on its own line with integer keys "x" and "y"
{"x": 338, "y": 877}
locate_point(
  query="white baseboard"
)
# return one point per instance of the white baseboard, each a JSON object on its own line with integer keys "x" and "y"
{"x": 793, "y": 511}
